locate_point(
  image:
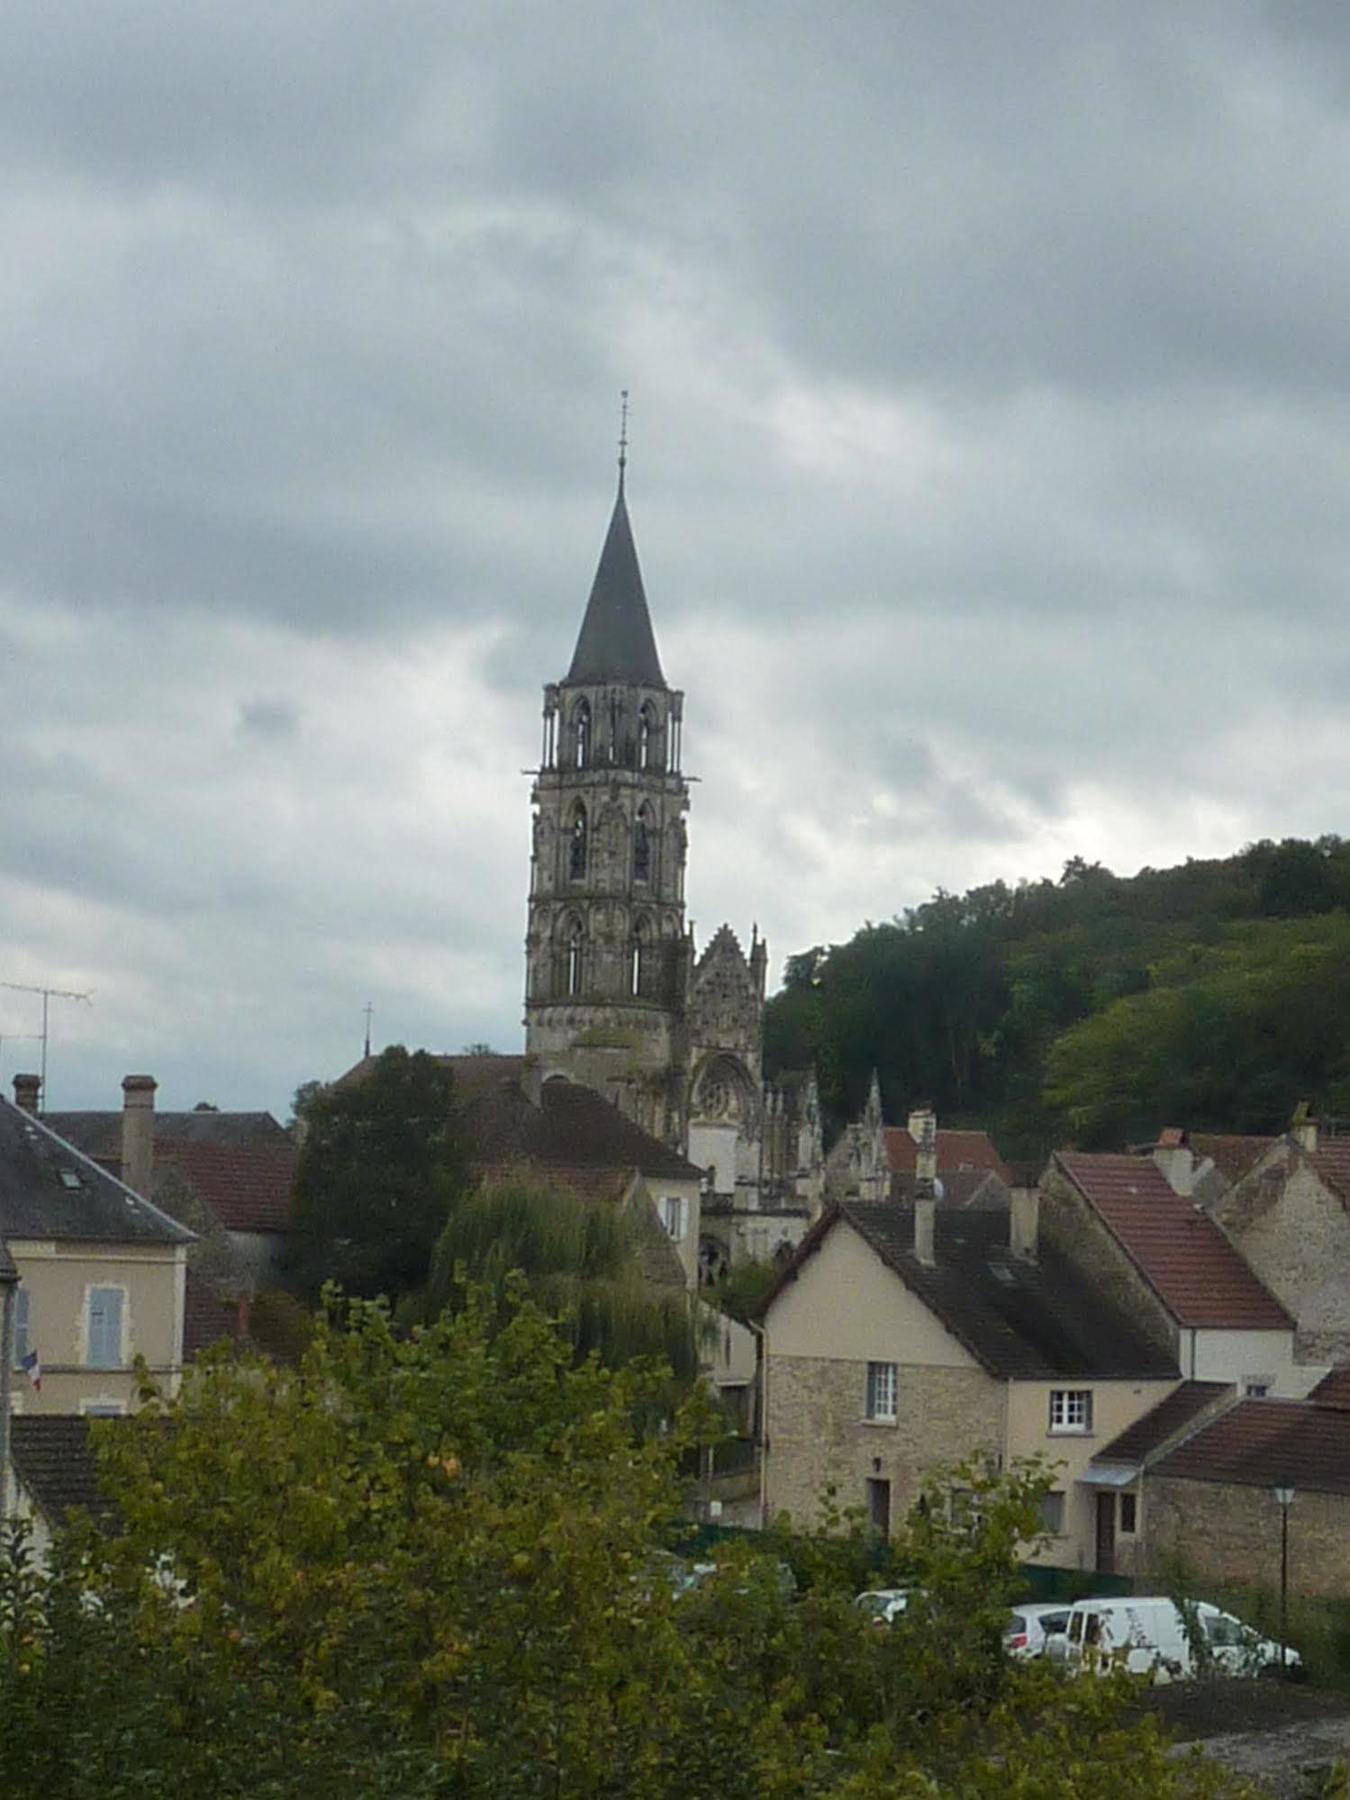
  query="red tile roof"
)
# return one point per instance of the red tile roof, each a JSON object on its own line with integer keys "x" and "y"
{"x": 1191, "y": 1265}
{"x": 1231, "y": 1153}
{"x": 1331, "y": 1159}
{"x": 1333, "y": 1390}
{"x": 1268, "y": 1443}
{"x": 247, "y": 1186}
{"x": 955, "y": 1150}
{"x": 206, "y": 1317}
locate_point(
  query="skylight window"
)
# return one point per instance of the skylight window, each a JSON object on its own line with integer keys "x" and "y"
{"x": 1001, "y": 1272}
{"x": 70, "y": 1179}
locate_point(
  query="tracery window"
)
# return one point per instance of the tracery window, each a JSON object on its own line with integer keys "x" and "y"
{"x": 573, "y": 946}
{"x": 581, "y": 726}
{"x": 647, "y": 736}
{"x": 576, "y": 847}
{"x": 642, "y": 847}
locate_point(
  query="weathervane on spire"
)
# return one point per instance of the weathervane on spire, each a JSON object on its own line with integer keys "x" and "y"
{"x": 623, "y": 432}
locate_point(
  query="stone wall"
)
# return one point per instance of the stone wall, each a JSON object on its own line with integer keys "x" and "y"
{"x": 1223, "y": 1533}
{"x": 1069, "y": 1223}
{"x": 819, "y": 1438}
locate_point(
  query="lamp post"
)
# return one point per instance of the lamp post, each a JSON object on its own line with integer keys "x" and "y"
{"x": 1284, "y": 1497}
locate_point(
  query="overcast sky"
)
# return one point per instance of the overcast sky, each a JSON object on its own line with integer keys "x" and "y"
{"x": 990, "y": 472}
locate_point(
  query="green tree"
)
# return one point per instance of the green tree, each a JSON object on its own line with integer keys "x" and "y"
{"x": 382, "y": 1162}
{"x": 430, "y": 1565}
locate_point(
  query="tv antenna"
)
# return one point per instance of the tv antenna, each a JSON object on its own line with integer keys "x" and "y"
{"x": 48, "y": 995}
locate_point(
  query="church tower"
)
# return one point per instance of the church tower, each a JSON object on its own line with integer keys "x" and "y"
{"x": 607, "y": 955}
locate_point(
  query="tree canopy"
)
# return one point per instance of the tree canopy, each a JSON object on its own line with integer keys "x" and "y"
{"x": 381, "y": 1163}
{"x": 439, "y": 1564}
{"x": 1196, "y": 995}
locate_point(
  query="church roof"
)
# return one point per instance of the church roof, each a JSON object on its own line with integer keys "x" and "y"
{"x": 616, "y": 641}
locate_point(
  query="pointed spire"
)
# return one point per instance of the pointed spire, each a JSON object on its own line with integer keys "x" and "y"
{"x": 616, "y": 642}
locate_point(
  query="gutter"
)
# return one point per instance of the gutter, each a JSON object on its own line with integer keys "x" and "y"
{"x": 762, "y": 1420}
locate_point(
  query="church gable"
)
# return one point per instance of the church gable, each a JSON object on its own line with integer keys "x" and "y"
{"x": 726, "y": 997}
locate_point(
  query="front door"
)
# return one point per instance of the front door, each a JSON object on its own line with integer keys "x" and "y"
{"x": 1106, "y": 1534}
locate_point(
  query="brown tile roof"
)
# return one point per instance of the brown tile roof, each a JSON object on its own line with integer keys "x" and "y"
{"x": 247, "y": 1187}
{"x": 1333, "y": 1390}
{"x": 1231, "y": 1153}
{"x": 99, "y": 1134}
{"x": 54, "y": 1460}
{"x": 206, "y": 1317}
{"x": 1181, "y": 1252}
{"x": 955, "y": 1150}
{"x": 1164, "y": 1421}
{"x": 1018, "y": 1319}
{"x": 1268, "y": 1443}
{"x": 1331, "y": 1159}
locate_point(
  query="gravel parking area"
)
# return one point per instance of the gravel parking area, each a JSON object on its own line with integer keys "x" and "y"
{"x": 1283, "y": 1736}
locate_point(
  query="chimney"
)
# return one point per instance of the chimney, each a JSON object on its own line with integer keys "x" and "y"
{"x": 925, "y": 1211}
{"x": 27, "y": 1092}
{"x": 925, "y": 1187}
{"x": 1303, "y": 1130}
{"x": 1024, "y": 1219}
{"x": 138, "y": 1131}
{"x": 1173, "y": 1156}
{"x": 922, "y": 1118}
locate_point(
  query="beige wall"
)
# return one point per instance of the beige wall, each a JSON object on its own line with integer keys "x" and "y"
{"x": 845, "y": 1310}
{"x": 661, "y": 1186}
{"x": 1296, "y": 1234}
{"x": 1115, "y": 1406}
{"x": 57, "y": 1278}
{"x": 1225, "y": 1533}
{"x": 1238, "y": 1356}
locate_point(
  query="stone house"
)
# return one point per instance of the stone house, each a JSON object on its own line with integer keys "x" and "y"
{"x": 102, "y": 1276}
{"x": 902, "y": 1339}
{"x": 1284, "y": 1202}
{"x": 1211, "y": 1498}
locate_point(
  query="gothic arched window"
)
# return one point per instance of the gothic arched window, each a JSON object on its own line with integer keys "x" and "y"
{"x": 642, "y": 846}
{"x": 573, "y": 950}
{"x": 647, "y": 736}
{"x": 581, "y": 728}
{"x": 640, "y": 968}
{"x": 576, "y": 846}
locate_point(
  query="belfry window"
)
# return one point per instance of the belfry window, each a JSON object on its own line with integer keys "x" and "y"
{"x": 576, "y": 847}
{"x": 646, "y": 756}
{"x": 572, "y": 965}
{"x": 639, "y": 974}
{"x": 642, "y": 847}
{"x": 581, "y": 726}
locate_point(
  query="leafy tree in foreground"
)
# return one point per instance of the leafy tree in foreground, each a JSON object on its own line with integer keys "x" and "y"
{"x": 431, "y": 1566}
{"x": 382, "y": 1162}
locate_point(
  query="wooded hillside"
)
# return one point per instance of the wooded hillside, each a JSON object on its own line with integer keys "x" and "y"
{"x": 1093, "y": 1009}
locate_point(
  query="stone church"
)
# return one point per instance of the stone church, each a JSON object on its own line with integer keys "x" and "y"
{"x": 617, "y": 996}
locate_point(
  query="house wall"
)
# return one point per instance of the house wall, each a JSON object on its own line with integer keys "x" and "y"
{"x": 1222, "y": 1532}
{"x": 847, "y": 1309}
{"x": 662, "y": 1187}
{"x": 1115, "y": 1406}
{"x": 1239, "y": 1355}
{"x": 1295, "y": 1232}
{"x": 58, "y": 1277}
{"x": 1077, "y": 1232}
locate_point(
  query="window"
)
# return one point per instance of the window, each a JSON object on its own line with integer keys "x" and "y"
{"x": 576, "y": 847}
{"x": 572, "y": 946}
{"x": 879, "y": 1499}
{"x": 581, "y": 725}
{"x": 1256, "y": 1387}
{"x": 21, "y": 1326}
{"x": 102, "y": 1409}
{"x": 642, "y": 847}
{"x": 1129, "y": 1514}
{"x": 881, "y": 1390}
{"x": 1052, "y": 1513}
{"x": 1071, "y": 1409}
{"x": 672, "y": 1216}
{"x": 646, "y": 735}
{"x": 640, "y": 971}
{"x": 104, "y": 1337}
{"x": 70, "y": 1178}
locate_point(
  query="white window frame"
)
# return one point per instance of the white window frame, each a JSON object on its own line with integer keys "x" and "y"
{"x": 882, "y": 1398}
{"x": 1257, "y": 1387}
{"x": 120, "y": 1348}
{"x": 1052, "y": 1511}
{"x": 1070, "y": 1412}
{"x": 673, "y": 1217}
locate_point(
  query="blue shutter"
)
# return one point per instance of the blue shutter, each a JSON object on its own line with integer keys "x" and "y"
{"x": 105, "y": 1328}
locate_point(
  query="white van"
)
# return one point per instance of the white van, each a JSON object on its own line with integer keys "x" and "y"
{"x": 1146, "y": 1635}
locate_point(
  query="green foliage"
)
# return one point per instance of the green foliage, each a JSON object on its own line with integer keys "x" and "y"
{"x": 742, "y": 1288}
{"x": 580, "y": 1259}
{"x": 1095, "y": 1007}
{"x": 382, "y": 1162}
{"x": 431, "y": 1565}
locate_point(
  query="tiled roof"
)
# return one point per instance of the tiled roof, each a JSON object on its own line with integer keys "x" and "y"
{"x": 8, "y": 1272}
{"x": 1191, "y": 1265}
{"x": 49, "y": 1190}
{"x": 248, "y": 1187}
{"x": 1231, "y": 1153}
{"x": 1030, "y": 1321}
{"x": 571, "y": 1128}
{"x": 616, "y": 641}
{"x": 206, "y": 1317}
{"x": 99, "y": 1134}
{"x": 960, "y": 1188}
{"x": 1331, "y": 1159}
{"x": 1333, "y": 1390}
{"x": 1164, "y": 1421}
{"x": 955, "y": 1150}
{"x": 54, "y": 1460}
{"x": 1268, "y": 1443}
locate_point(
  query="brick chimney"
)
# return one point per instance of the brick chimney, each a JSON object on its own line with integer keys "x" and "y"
{"x": 922, "y": 1118}
{"x": 138, "y": 1131}
{"x": 1175, "y": 1158}
{"x": 27, "y": 1092}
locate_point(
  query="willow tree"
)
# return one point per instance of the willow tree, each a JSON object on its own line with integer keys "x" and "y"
{"x": 584, "y": 1261}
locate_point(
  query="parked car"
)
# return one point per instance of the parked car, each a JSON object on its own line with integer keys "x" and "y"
{"x": 1031, "y": 1626}
{"x": 882, "y": 1605}
{"x": 1147, "y": 1635}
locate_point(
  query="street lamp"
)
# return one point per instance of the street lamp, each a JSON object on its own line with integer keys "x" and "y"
{"x": 1284, "y": 1497}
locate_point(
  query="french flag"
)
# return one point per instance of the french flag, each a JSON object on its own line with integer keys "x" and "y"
{"x": 34, "y": 1368}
